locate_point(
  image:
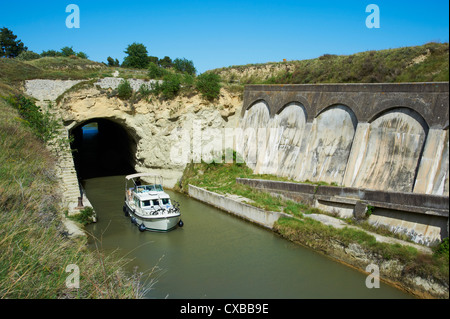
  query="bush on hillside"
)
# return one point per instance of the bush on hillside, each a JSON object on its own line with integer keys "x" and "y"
{"x": 68, "y": 51}
{"x": 124, "y": 90}
{"x": 156, "y": 72}
{"x": 184, "y": 66}
{"x": 208, "y": 84}
{"x": 170, "y": 86}
{"x": 28, "y": 56}
{"x": 43, "y": 124}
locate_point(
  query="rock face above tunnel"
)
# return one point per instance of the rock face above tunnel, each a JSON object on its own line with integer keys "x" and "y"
{"x": 154, "y": 128}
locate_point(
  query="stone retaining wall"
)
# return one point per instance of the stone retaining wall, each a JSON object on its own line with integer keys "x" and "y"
{"x": 231, "y": 205}
{"x": 423, "y": 218}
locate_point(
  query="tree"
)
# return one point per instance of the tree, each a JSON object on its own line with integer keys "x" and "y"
{"x": 165, "y": 62}
{"x": 137, "y": 56}
{"x": 112, "y": 62}
{"x": 66, "y": 51}
{"x": 153, "y": 59}
{"x": 82, "y": 55}
{"x": 184, "y": 66}
{"x": 9, "y": 46}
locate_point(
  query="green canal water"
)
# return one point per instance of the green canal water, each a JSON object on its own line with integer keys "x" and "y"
{"x": 216, "y": 255}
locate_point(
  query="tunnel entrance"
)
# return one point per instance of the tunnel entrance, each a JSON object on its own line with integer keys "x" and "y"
{"x": 102, "y": 148}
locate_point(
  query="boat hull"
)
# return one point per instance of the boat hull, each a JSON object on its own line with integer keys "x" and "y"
{"x": 160, "y": 223}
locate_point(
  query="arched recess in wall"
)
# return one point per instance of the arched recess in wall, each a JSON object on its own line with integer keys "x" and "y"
{"x": 250, "y": 139}
{"x": 102, "y": 147}
{"x": 394, "y": 144}
{"x": 286, "y": 132}
{"x": 329, "y": 145}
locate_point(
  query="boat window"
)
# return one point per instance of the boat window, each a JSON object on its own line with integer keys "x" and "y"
{"x": 158, "y": 188}
{"x": 165, "y": 201}
{"x": 145, "y": 203}
{"x": 155, "y": 202}
{"x": 140, "y": 189}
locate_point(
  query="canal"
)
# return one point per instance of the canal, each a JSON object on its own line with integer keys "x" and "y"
{"x": 216, "y": 255}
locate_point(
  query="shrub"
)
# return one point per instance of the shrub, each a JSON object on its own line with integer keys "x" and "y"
{"x": 208, "y": 84}
{"x": 187, "y": 83}
{"x": 124, "y": 90}
{"x": 144, "y": 91}
{"x": 442, "y": 249}
{"x": 82, "y": 55}
{"x": 170, "y": 86}
{"x": 369, "y": 210}
{"x": 28, "y": 55}
{"x": 156, "y": 72}
{"x": 50, "y": 53}
{"x": 184, "y": 66}
{"x": 85, "y": 216}
{"x": 43, "y": 124}
{"x": 66, "y": 51}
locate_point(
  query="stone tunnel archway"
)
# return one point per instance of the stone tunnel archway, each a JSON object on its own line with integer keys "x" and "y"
{"x": 102, "y": 147}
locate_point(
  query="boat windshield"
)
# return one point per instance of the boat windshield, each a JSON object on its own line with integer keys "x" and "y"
{"x": 149, "y": 188}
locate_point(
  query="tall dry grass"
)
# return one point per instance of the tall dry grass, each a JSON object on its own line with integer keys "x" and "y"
{"x": 35, "y": 248}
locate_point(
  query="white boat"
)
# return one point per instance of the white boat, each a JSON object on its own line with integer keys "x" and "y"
{"x": 148, "y": 206}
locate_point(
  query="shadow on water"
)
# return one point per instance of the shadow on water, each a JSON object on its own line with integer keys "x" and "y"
{"x": 216, "y": 255}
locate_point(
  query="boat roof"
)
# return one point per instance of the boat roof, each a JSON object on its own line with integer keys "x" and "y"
{"x": 151, "y": 195}
{"x": 128, "y": 177}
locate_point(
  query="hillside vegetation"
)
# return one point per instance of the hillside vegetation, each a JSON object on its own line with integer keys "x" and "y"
{"x": 14, "y": 71}
{"x": 428, "y": 62}
{"x": 35, "y": 248}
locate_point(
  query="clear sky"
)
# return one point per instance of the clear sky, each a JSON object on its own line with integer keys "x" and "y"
{"x": 216, "y": 34}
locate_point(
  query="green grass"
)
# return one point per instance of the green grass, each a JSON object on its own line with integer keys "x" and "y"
{"x": 391, "y": 65}
{"x": 221, "y": 178}
{"x": 34, "y": 247}
{"x": 13, "y": 71}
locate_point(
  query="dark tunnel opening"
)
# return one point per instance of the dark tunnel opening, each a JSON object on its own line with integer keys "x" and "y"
{"x": 102, "y": 148}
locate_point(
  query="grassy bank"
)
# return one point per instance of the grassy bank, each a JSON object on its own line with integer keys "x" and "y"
{"x": 221, "y": 178}
{"x": 13, "y": 71}
{"x": 428, "y": 62}
{"x": 34, "y": 247}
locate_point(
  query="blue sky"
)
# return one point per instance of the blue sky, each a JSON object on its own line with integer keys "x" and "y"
{"x": 217, "y": 34}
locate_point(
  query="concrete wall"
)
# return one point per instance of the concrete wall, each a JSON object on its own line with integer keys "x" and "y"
{"x": 376, "y": 136}
{"x": 231, "y": 205}
{"x": 423, "y": 218}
